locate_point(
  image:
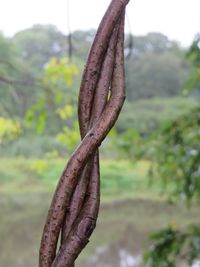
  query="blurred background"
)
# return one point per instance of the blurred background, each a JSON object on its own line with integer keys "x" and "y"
{"x": 150, "y": 162}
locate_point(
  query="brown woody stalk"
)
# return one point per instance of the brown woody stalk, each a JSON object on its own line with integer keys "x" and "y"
{"x": 100, "y": 99}
{"x": 90, "y": 209}
{"x": 95, "y": 59}
{"x": 76, "y": 216}
{"x": 86, "y": 222}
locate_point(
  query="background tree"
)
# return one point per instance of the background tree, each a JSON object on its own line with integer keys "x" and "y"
{"x": 177, "y": 161}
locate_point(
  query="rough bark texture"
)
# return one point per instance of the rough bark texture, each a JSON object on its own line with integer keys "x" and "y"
{"x": 74, "y": 208}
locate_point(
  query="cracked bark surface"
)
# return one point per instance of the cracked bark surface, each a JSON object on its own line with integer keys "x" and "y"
{"x": 75, "y": 205}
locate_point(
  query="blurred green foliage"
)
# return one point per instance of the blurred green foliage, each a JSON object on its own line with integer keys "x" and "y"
{"x": 9, "y": 130}
{"x": 147, "y": 115}
{"x": 59, "y": 70}
{"x": 52, "y": 103}
{"x": 176, "y": 155}
{"x": 171, "y": 244}
{"x": 193, "y": 55}
{"x": 38, "y": 44}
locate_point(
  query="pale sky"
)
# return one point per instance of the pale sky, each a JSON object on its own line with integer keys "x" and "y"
{"x": 178, "y": 19}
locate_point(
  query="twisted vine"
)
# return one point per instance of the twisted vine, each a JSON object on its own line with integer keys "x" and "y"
{"x": 75, "y": 205}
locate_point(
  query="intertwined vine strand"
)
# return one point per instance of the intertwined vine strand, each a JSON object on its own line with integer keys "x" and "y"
{"x": 75, "y": 205}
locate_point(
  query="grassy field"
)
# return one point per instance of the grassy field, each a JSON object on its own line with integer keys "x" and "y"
{"x": 130, "y": 210}
{"x": 121, "y": 179}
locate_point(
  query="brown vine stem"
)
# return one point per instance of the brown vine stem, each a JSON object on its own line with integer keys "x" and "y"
{"x": 95, "y": 59}
{"x": 84, "y": 162}
{"x": 86, "y": 222}
{"x": 93, "y": 193}
{"x": 100, "y": 99}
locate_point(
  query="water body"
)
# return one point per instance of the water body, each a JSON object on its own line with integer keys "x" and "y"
{"x": 118, "y": 241}
{"x": 119, "y": 257}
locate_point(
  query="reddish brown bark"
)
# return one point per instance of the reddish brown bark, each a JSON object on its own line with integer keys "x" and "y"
{"x": 75, "y": 204}
{"x": 100, "y": 99}
{"x": 95, "y": 59}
